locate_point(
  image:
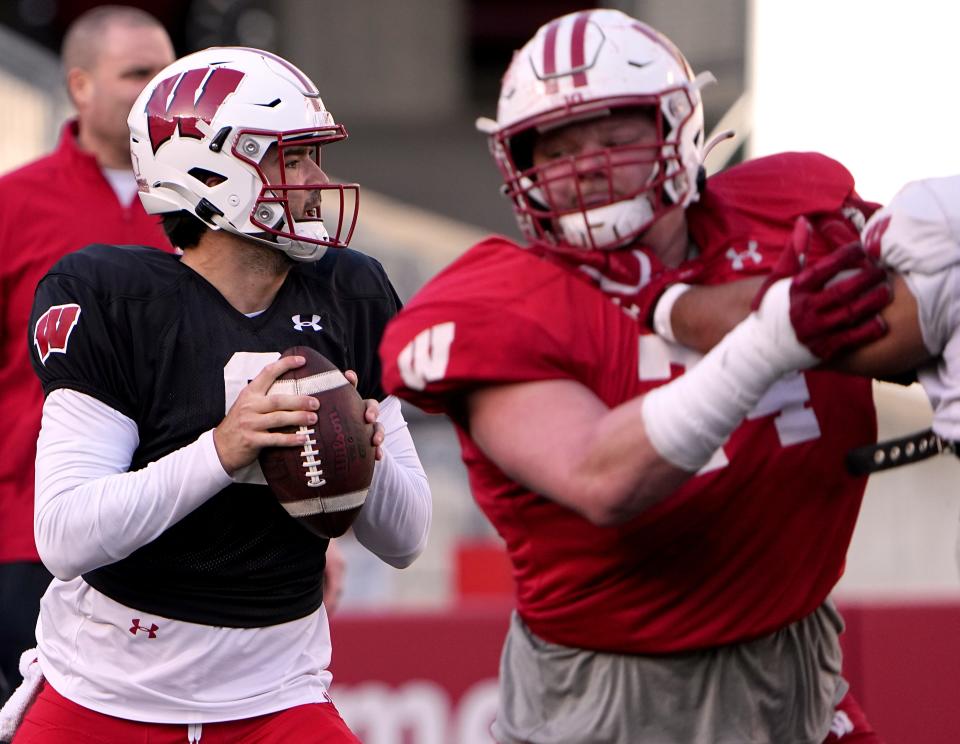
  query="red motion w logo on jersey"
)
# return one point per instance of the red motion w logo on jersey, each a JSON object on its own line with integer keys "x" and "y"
{"x": 53, "y": 329}
{"x": 176, "y": 102}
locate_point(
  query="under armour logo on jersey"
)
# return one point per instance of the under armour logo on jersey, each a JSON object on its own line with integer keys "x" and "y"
{"x": 136, "y": 627}
{"x": 53, "y": 329}
{"x": 841, "y": 724}
{"x": 738, "y": 260}
{"x": 313, "y": 323}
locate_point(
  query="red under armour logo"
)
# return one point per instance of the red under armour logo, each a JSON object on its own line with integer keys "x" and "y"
{"x": 181, "y": 101}
{"x": 151, "y": 631}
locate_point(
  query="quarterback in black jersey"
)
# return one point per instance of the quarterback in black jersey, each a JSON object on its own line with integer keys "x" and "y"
{"x": 185, "y": 594}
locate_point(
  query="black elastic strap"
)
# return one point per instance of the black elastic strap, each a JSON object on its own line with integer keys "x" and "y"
{"x": 893, "y": 453}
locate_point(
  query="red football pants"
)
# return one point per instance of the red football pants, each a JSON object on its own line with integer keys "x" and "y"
{"x": 850, "y": 725}
{"x": 52, "y": 719}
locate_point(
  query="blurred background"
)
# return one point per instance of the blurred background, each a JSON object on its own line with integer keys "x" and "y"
{"x": 867, "y": 82}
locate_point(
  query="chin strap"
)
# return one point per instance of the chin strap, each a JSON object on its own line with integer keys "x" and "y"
{"x": 921, "y": 445}
{"x": 300, "y": 251}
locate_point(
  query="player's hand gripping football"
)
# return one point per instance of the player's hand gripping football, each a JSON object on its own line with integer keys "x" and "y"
{"x": 834, "y": 299}
{"x": 246, "y": 429}
{"x": 371, "y": 414}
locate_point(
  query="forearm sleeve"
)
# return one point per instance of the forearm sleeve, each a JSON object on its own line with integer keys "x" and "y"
{"x": 89, "y": 511}
{"x": 395, "y": 518}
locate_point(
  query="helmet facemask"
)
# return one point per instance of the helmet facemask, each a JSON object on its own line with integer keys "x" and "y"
{"x": 293, "y": 216}
{"x": 580, "y": 68}
{"x": 595, "y": 212}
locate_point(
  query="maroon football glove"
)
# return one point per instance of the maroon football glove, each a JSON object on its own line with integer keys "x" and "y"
{"x": 842, "y": 227}
{"x": 791, "y": 260}
{"x": 835, "y": 299}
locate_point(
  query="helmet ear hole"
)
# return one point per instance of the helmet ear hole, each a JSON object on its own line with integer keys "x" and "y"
{"x": 207, "y": 177}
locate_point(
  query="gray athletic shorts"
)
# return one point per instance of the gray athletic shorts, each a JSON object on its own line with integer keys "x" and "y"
{"x": 780, "y": 689}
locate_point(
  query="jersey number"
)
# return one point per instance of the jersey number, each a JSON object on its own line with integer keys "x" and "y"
{"x": 788, "y": 398}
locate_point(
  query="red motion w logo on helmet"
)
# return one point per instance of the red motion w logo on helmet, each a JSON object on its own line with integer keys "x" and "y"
{"x": 185, "y": 106}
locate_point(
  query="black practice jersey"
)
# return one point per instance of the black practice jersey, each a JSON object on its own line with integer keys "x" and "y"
{"x": 148, "y": 336}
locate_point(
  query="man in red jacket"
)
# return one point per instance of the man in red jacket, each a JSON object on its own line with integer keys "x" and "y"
{"x": 83, "y": 192}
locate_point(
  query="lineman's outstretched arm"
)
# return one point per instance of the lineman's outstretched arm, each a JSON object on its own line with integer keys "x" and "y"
{"x": 609, "y": 464}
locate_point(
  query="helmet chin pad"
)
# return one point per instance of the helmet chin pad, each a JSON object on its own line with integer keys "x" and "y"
{"x": 301, "y": 250}
{"x": 608, "y": 227}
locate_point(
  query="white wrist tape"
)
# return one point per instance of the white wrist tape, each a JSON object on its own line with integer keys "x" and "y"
{"x": 688, "y": 419}
{"x": 661, "y": 313}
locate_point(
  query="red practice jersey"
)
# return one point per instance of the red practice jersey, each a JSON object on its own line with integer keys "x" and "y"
{"x": 48, "y": 208}
{"x": 756, "y": 539}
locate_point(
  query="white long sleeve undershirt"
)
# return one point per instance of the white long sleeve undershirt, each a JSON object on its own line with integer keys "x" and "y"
{"x": 89, "y": 511}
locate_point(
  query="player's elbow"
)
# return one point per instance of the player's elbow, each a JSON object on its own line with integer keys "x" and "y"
{"x": 397, "y": 554}
{"x": 407, "y": 551}
{"x": 60, "y": 550}
{"x": 607, "y": 505}
{"x": 402, "y": 561}
{"x": 53, "y": 558}
{"x": 609, "y": 516}
{"x": 608, "y": 501}
{"x": 398, "y": 537}
{"x": 610, "y": 495}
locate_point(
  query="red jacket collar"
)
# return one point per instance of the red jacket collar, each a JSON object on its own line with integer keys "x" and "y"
{"x": 69, "y": 147}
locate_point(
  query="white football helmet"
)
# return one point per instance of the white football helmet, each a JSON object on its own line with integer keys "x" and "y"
{"x": 200, "y": 130}
{"x": 583, "y": 66}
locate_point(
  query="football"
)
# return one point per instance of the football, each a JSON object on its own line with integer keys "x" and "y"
{"x": 323, "y": 484}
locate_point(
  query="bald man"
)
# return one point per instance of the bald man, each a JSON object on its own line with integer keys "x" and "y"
{"x": 83, "y": 192}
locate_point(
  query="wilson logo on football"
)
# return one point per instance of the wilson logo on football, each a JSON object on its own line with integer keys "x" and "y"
{"x": 53, "y": 329}
{"x": 176, "y": 102}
